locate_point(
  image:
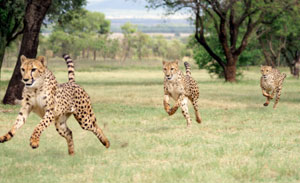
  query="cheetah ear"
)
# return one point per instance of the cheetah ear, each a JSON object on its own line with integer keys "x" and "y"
{"x": 176, "y": 61}
{"x": 164, "y": 62}
{"x": 42, "y": 59}
{"x": 23, "y": 58}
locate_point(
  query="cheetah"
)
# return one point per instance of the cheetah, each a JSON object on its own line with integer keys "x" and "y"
{"x": 271, "y": 83}
{"x": 53, "y": 102}
{"x": 180, "y": 87}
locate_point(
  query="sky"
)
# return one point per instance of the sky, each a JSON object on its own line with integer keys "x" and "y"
{"x": 114, "y": 9}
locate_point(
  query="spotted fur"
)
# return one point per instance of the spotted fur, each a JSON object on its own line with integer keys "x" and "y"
{"x": 271, "y": 83}
{"x": 54, "y": 103}
{"x": 180, "y": 87}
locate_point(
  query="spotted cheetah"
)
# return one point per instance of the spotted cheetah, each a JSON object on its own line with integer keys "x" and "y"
{"x": 271, "y": 83}
{"x": 53, "y": 102}
{"x": 181, "y": 88}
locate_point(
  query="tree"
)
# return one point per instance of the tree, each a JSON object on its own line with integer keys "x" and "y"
{"x": 128, "y": 41}
{"x": 83, "y": 31}
{"x": 279, "y": 39}
{"x": 141, "y": 44}
{"x": 34, "y": 15}
{"x": 233, "y": 22}
{"x": 159, "y": 46}
{"x": 113, "y": 48}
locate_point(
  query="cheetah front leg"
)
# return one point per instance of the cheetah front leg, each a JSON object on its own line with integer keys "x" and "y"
{"x": 169, "y": 110}
{"x": 185, "y": 110}
{"x": 45, "y": 122}
{"x": 166, "y": 103}
{"x": 21, "y": 119}
{"x": 268, "y": 96}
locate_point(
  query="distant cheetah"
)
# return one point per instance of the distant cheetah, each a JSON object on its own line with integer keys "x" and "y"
{"x": 181, "y": 88}
{"x": 271, "y": 83}
{"x": 54, "y": 103}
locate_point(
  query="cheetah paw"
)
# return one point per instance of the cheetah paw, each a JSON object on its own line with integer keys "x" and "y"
{"x": 266, "y": 104}
{"x": 198, "y": 120}
{"x": 106, "y": 143}
{"x": 171, "y": 112}
{"x": 34, "y": 143}
{"x": 3, "y": 139}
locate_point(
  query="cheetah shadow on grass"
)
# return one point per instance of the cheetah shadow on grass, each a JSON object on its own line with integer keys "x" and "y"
{"x": 158, "y": 129}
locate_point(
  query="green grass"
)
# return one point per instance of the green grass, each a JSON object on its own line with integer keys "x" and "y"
{"x": 238, "y": 141}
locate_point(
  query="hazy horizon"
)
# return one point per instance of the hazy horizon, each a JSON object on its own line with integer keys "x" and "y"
{"x": 129, "y": 9}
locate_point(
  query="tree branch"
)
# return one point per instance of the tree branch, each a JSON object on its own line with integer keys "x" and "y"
{"x": 199, "y": 35}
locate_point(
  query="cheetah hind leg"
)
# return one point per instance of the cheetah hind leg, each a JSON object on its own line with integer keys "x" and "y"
{"x": 278, "y": 93}
{"x": 185, "y": 111}
{"x": 64, "y": 131}
{"x": 87, "y": 120}
{"x": 195, "y": 105}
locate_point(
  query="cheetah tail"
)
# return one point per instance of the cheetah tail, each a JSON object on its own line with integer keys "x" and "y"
{"x": 70, "y": 64}
{"x": 187, "y": 68}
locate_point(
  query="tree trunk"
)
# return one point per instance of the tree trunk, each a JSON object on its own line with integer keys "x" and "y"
{"x": 88, "y": 53}
{"x": 266, "y": 54}
{"x": 34, "y": 15}
{"x": 83, "y": 53}
{"x": 230, "y": 73}
{"x": 230, "y": 69}
{"x": 95, "y": 54}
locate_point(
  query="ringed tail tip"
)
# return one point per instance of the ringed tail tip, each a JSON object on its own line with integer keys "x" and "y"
{"x": 65, "y": 56}
{"x": 187, "y": 68}
{"x": 70, "y": 65}
{"x": 186, "y": 64}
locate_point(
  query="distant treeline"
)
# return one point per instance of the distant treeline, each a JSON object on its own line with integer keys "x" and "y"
{"x": 176, "y": 26}
{"x": 176, "y": 29}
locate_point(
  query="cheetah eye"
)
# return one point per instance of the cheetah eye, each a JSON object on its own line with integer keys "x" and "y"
{"x": 34, "y": 69}
{"x": 172, "y": 69}
{"x": 23, "y": 70}
{"x": 165, "y": 69}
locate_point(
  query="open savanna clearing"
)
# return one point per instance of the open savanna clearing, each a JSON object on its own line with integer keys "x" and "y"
{"x": 239, "y": 140}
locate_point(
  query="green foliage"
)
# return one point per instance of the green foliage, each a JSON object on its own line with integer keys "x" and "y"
{"x": 204, "y": 60}
{"x": 86, "y": 30}
{"x": 282, "y": 36}
{"x": 85, "y": 22}
{"x": 142, "y": 45}
{"x": 63, "y": 10}
{"x": 11, "y": 17}
{"x": 128, "y": 29}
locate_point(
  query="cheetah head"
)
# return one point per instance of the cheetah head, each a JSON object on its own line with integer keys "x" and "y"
{"x": 265, "y": 71}
{"x": 32, "y": 70}
{"x": 170, "y": 69}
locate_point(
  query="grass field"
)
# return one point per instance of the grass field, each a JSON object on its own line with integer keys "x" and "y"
{"x": 238, "y": 141}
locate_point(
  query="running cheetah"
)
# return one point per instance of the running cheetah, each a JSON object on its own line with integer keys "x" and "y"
{"x": 181, "y": 88}
{"x": 53, "y": 102}
{"x": 271, "y": 83}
